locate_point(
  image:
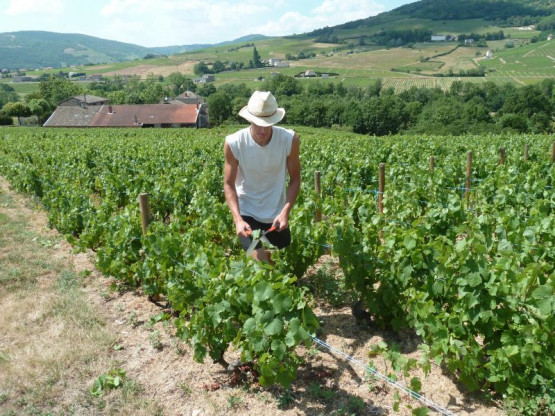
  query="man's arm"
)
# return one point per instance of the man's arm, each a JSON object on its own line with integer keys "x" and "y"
{"x": 230, "y": 173}
{"x": 294, "y": 171}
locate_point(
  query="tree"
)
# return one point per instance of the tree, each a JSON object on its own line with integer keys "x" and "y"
{"x": 514, "y": 122}
{"x": 382, "y": 116}
{"x": 17, "y": 110}
{"x": 218, "y": 66}
{"x": 256, "y": 62}
{"x": 7, "y": 94}
{"x": 201, "y": 68}
{"x": 283, "y": 85}
{"x": 40, "y": 108}
{"x": 177, "y": 83}
{"x": 55, "y": 90}
{"x": 206, "y": 90}
{"x": 5, "y": 120}
{"x": 220, "y": 107}
{"x": 528, "y": 100}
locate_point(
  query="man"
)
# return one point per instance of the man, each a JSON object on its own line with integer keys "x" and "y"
{"x": 258, "y": 159}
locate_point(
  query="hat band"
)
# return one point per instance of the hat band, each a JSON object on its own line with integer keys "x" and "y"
{"x": 263, "y": 114}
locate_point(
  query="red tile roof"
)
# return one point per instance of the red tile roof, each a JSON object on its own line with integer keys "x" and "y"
{"x": 138, "y": 115}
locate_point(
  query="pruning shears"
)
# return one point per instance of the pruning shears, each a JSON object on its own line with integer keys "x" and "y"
{"x": 261, "y": 237}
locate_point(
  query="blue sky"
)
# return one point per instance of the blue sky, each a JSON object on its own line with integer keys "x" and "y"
{"x": 183, "y": 22}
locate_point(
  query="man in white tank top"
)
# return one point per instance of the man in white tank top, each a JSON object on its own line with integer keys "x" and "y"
{"x": 258, "y": 160}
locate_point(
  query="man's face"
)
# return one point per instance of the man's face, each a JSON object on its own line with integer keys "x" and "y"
{"x": 261, "y": 133}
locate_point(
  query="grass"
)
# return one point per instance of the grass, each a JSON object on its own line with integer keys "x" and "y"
{"x": 54, "y": 345}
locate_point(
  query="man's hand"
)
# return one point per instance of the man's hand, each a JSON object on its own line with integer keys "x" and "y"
{"x": 242, "y": 228}
{"x": 281, "y": 222}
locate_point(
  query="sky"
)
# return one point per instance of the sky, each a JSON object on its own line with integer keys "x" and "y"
{"x": 153, "y": 23}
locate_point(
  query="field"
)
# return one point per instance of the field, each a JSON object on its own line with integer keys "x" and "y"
{"x": 455, "y": 261}
{"x": 524, "y": 63}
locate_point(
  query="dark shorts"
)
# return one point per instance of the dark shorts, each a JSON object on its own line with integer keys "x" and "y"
{"x": 279, "y": 239}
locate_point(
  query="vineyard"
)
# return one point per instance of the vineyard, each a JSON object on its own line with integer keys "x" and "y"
{"x": 459, "y": 249}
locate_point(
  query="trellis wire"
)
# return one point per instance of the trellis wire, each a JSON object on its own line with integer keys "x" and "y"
{"x": 384, "y": 378}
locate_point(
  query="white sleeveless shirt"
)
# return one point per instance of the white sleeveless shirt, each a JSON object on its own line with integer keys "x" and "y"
{"x": 262, "y": 172}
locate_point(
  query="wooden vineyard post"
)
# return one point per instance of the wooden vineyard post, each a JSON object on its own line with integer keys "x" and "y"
{"x": 553, "y": 152}
{"x": 432, "y": 163}
{"x": 381, "y": 187}
{"x": 144, "y": 207}
{"x": 318, "y": 189}
{"x": 502, "y": 156}
{"x": 526, "y": 151}
{"x": 468, "y": 176}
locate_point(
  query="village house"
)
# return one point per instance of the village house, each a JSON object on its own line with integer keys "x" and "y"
{"x": 189, "y": 97}
{"x": 206, "y": 78}
{"x": 91, "y": 111}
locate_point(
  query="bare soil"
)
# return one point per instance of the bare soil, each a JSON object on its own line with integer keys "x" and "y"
{"x": 163, "y": 365}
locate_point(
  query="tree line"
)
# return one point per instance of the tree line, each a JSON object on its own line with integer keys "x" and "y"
{"x": 465, "y": 108}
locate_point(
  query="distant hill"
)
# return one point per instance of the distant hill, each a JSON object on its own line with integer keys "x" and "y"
{"x": 443, "y": 15}
{"x": 38, "y": 49}
{"x": 171, "y": 50}
{"x": 405, "y": 25}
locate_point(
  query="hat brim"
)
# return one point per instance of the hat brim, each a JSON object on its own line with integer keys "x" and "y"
{"x": 262, "y": 121}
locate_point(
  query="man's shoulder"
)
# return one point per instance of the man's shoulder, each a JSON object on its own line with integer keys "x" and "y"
{"x": 237, "y": 136}
{"x": 242, "y": 133}
{"x": 284, "y": 131}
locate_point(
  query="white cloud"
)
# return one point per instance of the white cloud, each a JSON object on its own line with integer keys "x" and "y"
{"x": 17, "y": 7}
{"x": 177, "y": 22}
{"x": 342, "y": 11}
{"x": 329, "y": 13}
{"x": 129, "y": 8}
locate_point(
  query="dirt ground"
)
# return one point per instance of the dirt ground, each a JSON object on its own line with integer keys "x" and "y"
{"x": 326, "y": 384}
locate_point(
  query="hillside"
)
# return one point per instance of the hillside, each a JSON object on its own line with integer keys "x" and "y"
{"x": 172, "y": 50}
{"x": 395, "y": 46}
{"x": 39, "y": 49}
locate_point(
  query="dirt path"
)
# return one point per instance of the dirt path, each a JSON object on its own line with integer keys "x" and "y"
{"x": 173, "y": 384}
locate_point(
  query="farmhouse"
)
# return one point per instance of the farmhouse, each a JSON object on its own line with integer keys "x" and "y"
{"x": 205, "y": 79}
{"x": 84, "y": 100}
{"x": 86, "y": 111}
{"x": 282, "y": 64}
{"x": 439, "y": 38}
{"x": 189, "y": 97}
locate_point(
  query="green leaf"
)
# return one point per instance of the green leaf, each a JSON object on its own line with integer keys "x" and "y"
{"x": 281, "y": 304}
{"x": 274, "y": 328}
{"x": 510, "y": 350}
{"x": 249, "y": 326}
{"x": 416, "y": 384}
{"x": 474, "y": 279}
{"x": 469, "y": 381}
{"x": 279, "y": 348}
{"x": 461, "y": 245}
{"x": 262, "y": 291}
{"x": 421, "y": 411}
{"x": 409, "y": 242}
{"x": 544, "y": 299}
{"x": 310, "y": 320}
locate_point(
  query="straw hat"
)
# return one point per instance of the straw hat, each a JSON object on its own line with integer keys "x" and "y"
{"x": 262, "y": 109}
